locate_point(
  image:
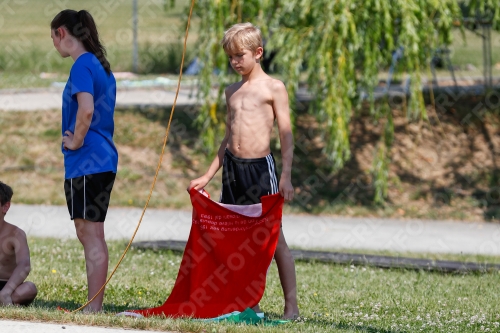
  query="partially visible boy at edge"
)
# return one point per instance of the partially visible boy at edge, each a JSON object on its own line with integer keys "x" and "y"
{"x": 248, "y": 166}
{"x": 14, "y": 258}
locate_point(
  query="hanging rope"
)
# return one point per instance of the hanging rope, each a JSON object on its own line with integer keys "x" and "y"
{"x": 157, "y": 168}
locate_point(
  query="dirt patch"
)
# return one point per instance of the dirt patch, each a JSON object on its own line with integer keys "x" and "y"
{"x": 446, "y": 167}
{"x": 443, "y": 168}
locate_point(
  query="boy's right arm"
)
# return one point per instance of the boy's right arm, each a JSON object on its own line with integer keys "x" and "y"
{"x": 201, "y": 182}
{"x": 23, "y": 267}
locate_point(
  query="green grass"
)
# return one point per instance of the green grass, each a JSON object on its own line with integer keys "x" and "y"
{"x": 332, "y": 298}
{"x": 27, "y": 49}
{"x": 27, "y": 46}
{"x": 470, "y": 50}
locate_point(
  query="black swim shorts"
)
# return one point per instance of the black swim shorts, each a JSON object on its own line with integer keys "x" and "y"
{"x": 88, "y": 196}
{"x": 245, "y": 181}
{"x": 2, "y": 284}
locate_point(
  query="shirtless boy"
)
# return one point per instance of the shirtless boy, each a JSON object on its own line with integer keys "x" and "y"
{"x": 248, "y": 167}
{"x": 14, "y": 258}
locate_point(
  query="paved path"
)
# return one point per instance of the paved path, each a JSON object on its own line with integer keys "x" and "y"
{"x": 10, "y": 326}
{"x": 49, "y": 99}
{"x": 304, "y": 231}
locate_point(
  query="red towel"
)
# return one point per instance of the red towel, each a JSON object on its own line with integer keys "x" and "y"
{"x": 226, "y": 258}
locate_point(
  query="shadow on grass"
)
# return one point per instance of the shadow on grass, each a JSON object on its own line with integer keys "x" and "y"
{"x": 52, "y": 305}
{"x": 109, "y": 308}
{"x": 362, "y": 328}
{"x": 336, "y": 325}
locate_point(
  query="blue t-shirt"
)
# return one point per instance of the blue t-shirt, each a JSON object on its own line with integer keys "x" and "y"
{"x": 98, "y": 153}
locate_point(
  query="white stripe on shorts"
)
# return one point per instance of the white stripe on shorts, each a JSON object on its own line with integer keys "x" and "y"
{"x": 272, "y": 174}
{"x": 72, "y": 204}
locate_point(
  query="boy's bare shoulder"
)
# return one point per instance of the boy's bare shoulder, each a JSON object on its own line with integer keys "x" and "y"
{"x": 276, "y": 88}
{"x": 230, "y": 89}
{"x": 275, "y": 85}
{"x": 12, "y": 230}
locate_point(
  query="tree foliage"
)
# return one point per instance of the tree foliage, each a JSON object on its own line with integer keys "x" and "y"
{"x": 338, "y": 47}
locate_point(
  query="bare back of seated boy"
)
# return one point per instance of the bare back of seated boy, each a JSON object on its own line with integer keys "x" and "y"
{"x": 14, "y": 258}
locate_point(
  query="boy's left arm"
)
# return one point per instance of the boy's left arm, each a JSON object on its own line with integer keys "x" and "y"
{"x": 282, "y": 112}
{"x": 23, "y": 267}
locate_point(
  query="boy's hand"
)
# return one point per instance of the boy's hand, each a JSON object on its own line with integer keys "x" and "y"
{"x": 5, "y": 299}
{"x": 198, "y": 183}
{"x": 286, "y": 189}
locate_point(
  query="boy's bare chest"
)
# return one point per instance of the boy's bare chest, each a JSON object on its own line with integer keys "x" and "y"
{"x": 249, "y": 99}
{"x": 7, "y": 254}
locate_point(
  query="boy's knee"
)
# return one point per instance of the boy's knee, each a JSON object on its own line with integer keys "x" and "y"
{"x": 31, "y": 289}
{"x": 81, "y": 235}
{"x": 25, "y": 293}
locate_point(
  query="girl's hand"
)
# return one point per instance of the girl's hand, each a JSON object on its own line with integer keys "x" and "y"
{"x": 68, "y": 142}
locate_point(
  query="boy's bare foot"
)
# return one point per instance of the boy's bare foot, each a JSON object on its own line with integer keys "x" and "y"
{"x": 5, "y": 300}
{"x": 89, "y": 310}
{"x": 292, "y": 313}
{"x": 256, "y": 309}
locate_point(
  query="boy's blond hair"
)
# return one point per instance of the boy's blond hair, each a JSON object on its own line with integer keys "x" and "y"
{"x": 242, "y": 36}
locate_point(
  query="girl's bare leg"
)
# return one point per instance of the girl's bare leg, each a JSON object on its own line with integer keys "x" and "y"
{"x": 91, "y": 235}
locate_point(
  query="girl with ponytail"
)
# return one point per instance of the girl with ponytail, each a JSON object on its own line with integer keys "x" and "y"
{"x": 90, "y": 155}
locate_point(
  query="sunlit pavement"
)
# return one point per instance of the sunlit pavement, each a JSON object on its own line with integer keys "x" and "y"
{"x": 51, "y": 99}
{"x": 11, "y": 326}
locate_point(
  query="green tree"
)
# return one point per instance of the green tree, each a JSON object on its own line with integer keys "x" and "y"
{"x": 339, "y": 47}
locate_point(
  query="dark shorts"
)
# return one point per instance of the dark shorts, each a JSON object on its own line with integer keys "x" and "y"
{"x": 2, "y": 284}
{"x": 88, "y": 196}
{"x": 245, "y": 181}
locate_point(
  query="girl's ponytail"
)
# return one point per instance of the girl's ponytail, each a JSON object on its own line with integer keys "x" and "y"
{"x": 82, "y": 26}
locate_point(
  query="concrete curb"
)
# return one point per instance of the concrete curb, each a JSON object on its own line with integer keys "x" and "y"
{"x": 443, "y": 266}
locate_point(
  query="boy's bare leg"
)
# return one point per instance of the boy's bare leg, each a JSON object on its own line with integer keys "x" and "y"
{"x": 257, "y": 309}
{"x": 24, "y": 293}
{"x": 286, "y": 271}
{"x": 91, "y": 235}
